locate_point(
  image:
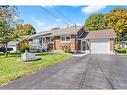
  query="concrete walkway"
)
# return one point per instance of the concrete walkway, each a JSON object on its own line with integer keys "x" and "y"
{"x": 87, "y": 72}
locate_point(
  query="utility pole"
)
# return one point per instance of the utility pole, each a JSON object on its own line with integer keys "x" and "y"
{"x": 75, "y": 40}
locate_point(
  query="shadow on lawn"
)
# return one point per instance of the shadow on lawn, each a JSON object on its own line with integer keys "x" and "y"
{"x": 11, "y": 54}
{"x": 19, "y": 54}
{"x": 41, "y": 54}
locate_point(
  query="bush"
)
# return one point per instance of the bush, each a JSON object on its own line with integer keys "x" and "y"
{"x": 121, "y": 50}
{"x": 23, "y": 46}
{"x": 66, "y": 48}
{"x": 117, "y": 46}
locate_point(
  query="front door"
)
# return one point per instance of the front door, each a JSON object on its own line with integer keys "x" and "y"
{"x": 83, "y": 45}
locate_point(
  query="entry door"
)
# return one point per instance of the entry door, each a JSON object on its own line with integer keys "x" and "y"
{"x": 83, "y": 45}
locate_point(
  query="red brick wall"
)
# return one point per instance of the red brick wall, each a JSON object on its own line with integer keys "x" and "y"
{"x": 59, "y": 46}
{"x": 73, "y": 43}
{"x": 58, "y": 43}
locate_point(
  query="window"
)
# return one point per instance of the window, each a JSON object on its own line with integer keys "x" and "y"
{"x": 36, "y": 41}
{"x": 43, "y": 40}
{"x": 65, "y": 38}
{"x": 52, "y": 39}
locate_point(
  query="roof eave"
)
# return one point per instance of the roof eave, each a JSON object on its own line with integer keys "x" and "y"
{"x": 102, "y": 38}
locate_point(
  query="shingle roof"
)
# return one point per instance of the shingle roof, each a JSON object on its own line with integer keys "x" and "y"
{"x": 58, "y": 32}
{"x": 107, "y": 33}
{"x": 64, "y": 31}
{"x": 12, "y": 43}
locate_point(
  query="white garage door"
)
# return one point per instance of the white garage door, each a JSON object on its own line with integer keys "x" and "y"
{"x": 100, "y": 46}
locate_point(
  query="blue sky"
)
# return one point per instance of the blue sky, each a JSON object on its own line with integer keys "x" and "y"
{"x": 41, "y": 20}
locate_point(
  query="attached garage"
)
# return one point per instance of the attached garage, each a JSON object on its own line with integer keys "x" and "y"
{"x": 99, "y": 41}
{"x": 100, "y": 46}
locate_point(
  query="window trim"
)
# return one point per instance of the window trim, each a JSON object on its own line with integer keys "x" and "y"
{"x": 65, "y": 41}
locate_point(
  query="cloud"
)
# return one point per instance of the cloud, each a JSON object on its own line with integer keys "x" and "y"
{"x": 58, "y": 20}
{"x": 36, "y": 21}
{"x": 78, "y": 24}
{"x": 49, "y": 27}
{"x": 55, "y": 24}
{"x": 91, "y": 9}
{"x": 40, "y": 24}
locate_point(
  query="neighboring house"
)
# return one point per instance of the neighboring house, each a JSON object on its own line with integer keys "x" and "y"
{"x": 100, "y": 41}
{"x": 75, "y": 39}
{"x": 1, "y": 45}
{"x": 14, "y": 45}
{"x": 124, "y": 44}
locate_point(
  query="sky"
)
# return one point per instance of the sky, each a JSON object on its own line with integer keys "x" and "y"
{"x": 43, "y": 20}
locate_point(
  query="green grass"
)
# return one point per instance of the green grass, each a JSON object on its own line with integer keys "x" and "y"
{"x": 11, "y": 69}
{"x": 122, "y": 54}
{"x": 121, "y": 50}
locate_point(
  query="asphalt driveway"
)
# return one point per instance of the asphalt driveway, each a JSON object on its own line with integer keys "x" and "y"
{"x": 87, "y": 72}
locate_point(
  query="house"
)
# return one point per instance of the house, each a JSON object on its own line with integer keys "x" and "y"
{"x": 56, "y": 39}
{"x": 99, "y": 41}
{"x": 74, "y": 39}
{"x": 123, "y": 44}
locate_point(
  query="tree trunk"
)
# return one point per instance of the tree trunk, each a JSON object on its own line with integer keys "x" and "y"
{"x": 6, "y": 52}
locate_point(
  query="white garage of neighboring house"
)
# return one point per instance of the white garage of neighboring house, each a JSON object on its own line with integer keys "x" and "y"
{"x": 13, "y": 44}
{"x": 100, "y": 41}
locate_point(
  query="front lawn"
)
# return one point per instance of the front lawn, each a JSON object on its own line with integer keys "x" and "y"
{"x": 11, "y": 69}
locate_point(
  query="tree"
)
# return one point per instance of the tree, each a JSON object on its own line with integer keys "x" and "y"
{"x": 8, "y": 18}
{"x": 24, "y": 29}
{"x": 6, "y": 35}
{"x": 96, "y": 22}
{"x": 117, "y": 20}
{"x": 10, "y": 15}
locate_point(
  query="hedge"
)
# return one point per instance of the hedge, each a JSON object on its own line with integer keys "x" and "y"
{"x": 121, "y": 50}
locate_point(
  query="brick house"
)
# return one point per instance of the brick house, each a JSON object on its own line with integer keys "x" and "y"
{"x": 74, "y": 39}
{"x": 56, "y": 39}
